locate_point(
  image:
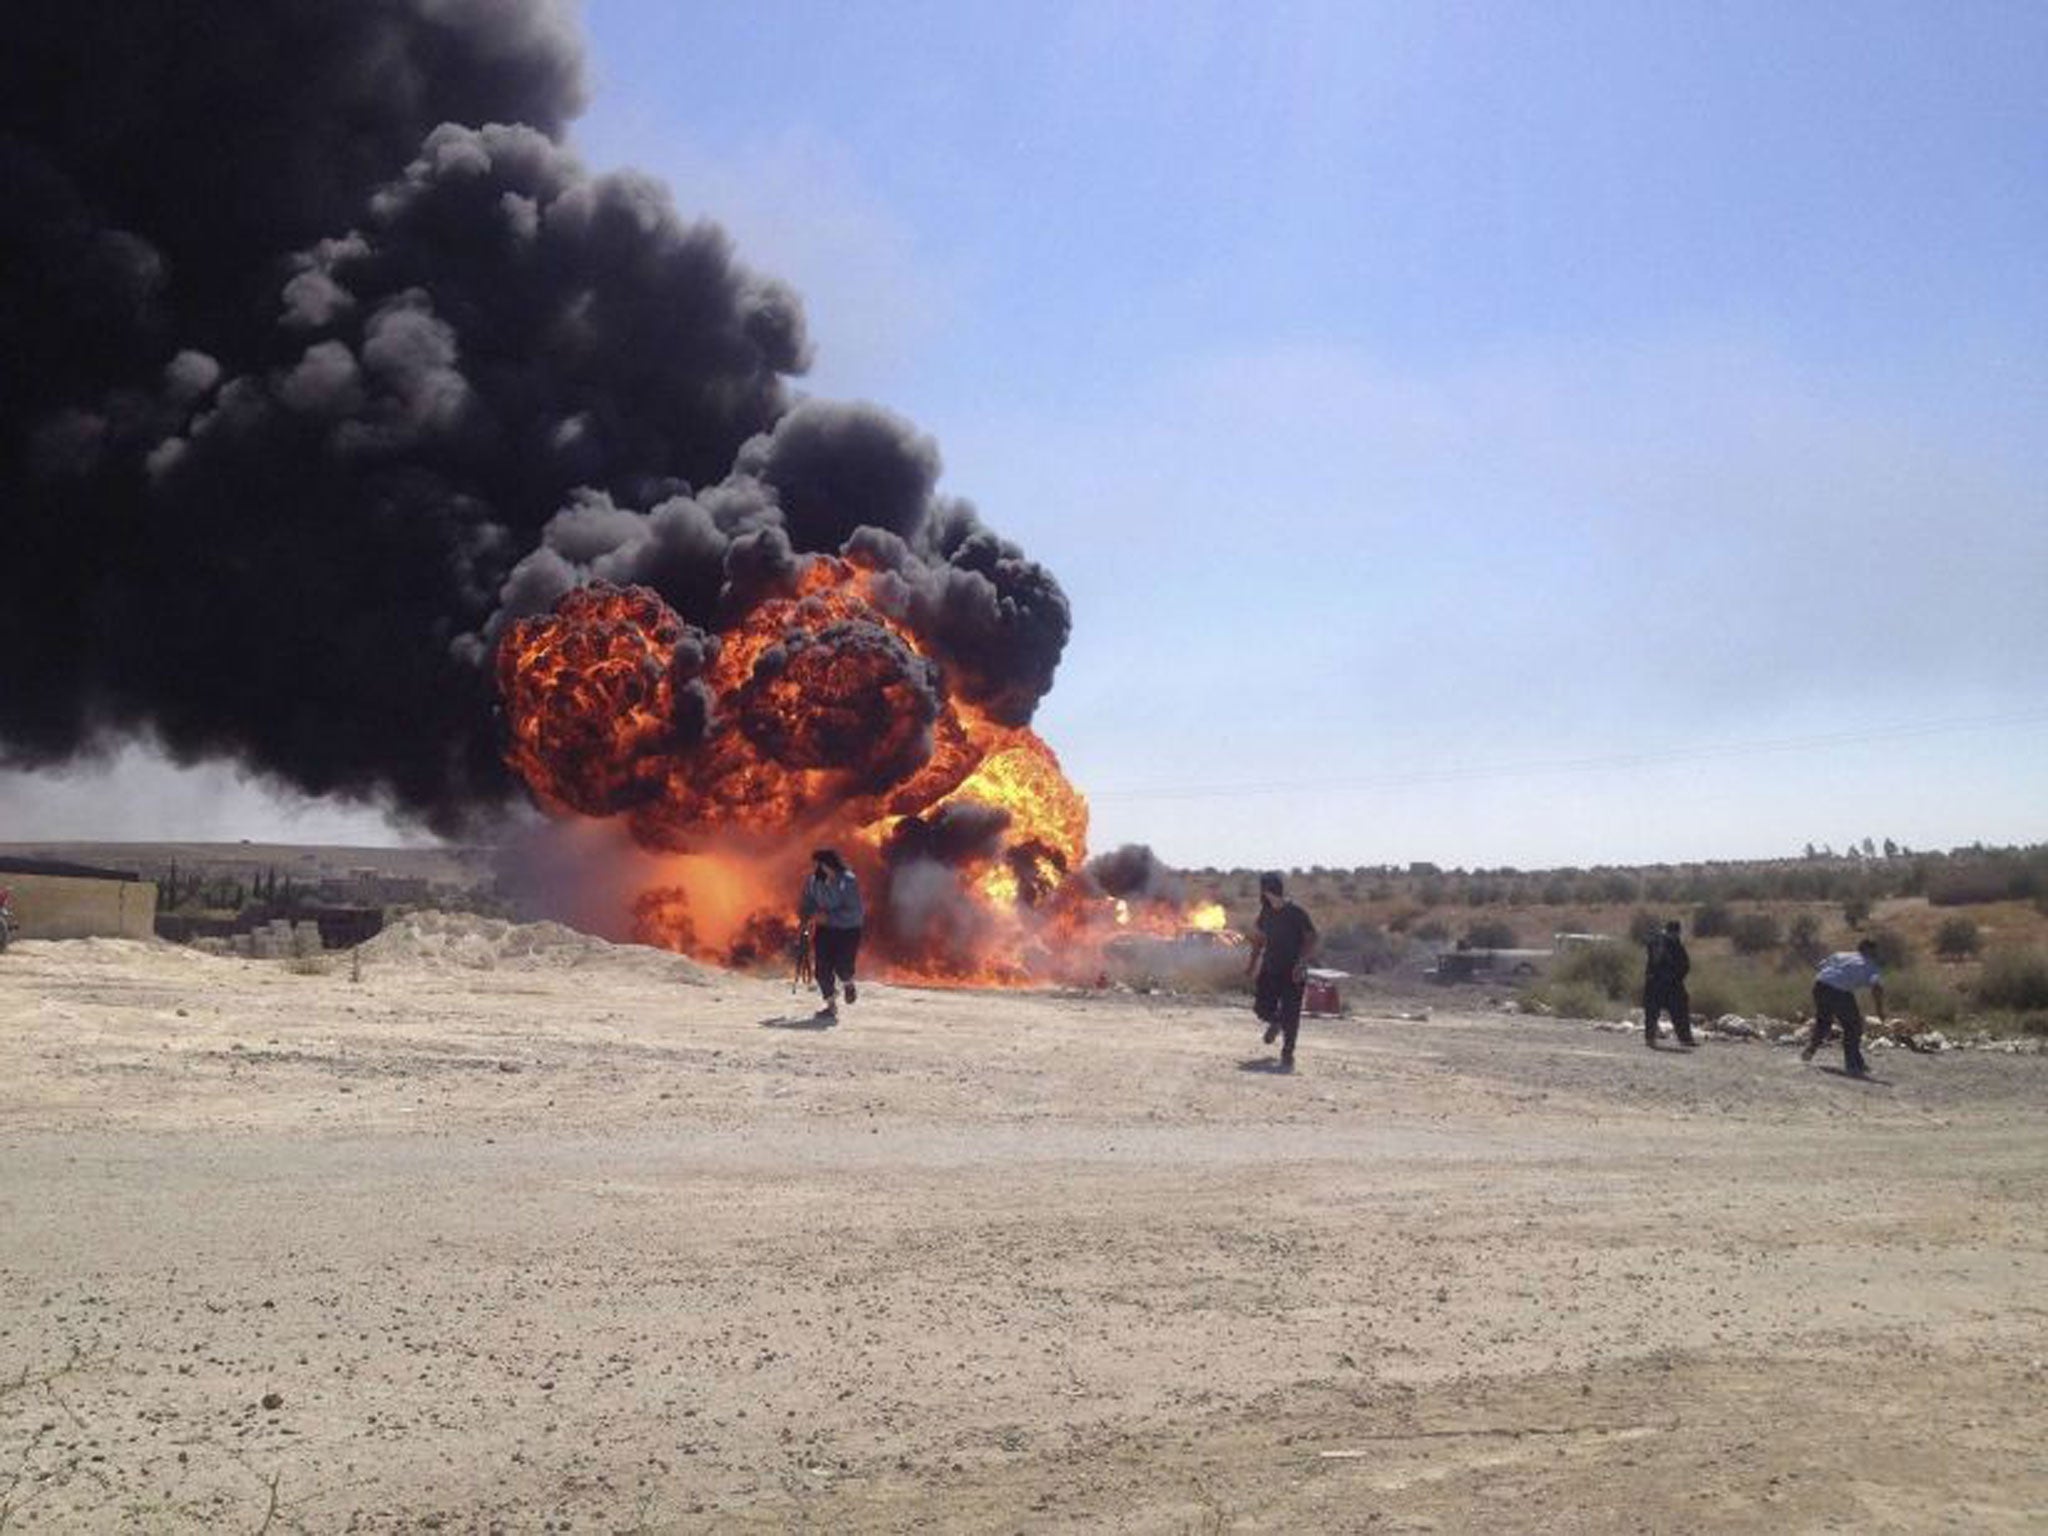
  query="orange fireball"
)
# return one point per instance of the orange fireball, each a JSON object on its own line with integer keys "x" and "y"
{"x": 815, "y": 717}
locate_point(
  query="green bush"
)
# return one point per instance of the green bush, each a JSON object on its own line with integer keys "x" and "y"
{"x": 1711, "y": 919}
{"x": 1575, "y": 1000}
{"x": 1614, "y": 970}
{"x": 1432, "y": 932}
{"x": 1856, "y": 911}
{"x": 2015, "y": 979}
{"x": 1491, "y": 934}
{"x": 1957, "y": 939}
{"x": 1755, "y": 933}
{"x": 1644, "y": 926}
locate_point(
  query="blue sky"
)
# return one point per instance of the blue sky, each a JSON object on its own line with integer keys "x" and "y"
{"x": 1490, "y": 434}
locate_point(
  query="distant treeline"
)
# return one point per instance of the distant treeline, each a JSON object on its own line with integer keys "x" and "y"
{"x": 1961, "y": 877}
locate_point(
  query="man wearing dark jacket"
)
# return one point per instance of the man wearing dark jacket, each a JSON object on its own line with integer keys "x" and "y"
{"x": 1664, "y": 986}
{"x": 1283, "y": 943}
{"x": 831, "y": 897}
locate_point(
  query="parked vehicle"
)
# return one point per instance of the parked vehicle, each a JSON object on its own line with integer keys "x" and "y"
{"x": 1480, "y": 964}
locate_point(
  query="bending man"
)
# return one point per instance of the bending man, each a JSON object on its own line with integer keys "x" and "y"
{"x": 1834, "y": 1002}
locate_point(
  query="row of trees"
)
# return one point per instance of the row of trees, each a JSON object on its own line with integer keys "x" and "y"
{"x": 197, "y": 891}
{"x": 1961, "y": 877}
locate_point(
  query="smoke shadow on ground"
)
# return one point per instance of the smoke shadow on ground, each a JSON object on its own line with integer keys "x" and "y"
{"x": 803, "y": 1021}
{"x": 1264, "y": 1064}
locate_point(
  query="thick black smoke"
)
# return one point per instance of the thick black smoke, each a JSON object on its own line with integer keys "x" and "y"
{"x": 321, "y": 359}
{"x": 926, "y": 911}
{"x": 1134, "y": 873}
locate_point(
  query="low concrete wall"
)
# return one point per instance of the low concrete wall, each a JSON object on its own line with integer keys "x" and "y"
{"x": 69, "y": 907}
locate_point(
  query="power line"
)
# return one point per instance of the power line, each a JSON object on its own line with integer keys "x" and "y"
{"x": 1900, "y": 732}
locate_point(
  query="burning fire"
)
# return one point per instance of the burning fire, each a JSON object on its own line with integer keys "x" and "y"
{"x": 818, "y": 718}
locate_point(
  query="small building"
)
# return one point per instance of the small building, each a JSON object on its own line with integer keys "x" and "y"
{"x": 340, "y": 927}
{"x": 53, "y": 899}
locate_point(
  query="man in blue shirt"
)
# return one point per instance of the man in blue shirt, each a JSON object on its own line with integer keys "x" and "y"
{"x": 1834, "y": 1002}
{"x": 832, "y": 897}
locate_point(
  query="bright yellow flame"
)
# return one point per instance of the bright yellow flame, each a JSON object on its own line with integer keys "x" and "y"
{"x": 999, "y": 885}
{"x": 1208, "y": 916}
{"x": 1022, "y": 776}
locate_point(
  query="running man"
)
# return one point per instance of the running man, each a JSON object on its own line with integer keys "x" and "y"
{"x": 832, "y": 897}
{"x": 1282, "y": 946}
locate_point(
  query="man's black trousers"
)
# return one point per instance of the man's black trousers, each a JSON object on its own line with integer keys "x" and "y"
{"x": 1276, "y": 999}
{"x": 833, "y": 951}
{"x": 1831, "y": 1005}
{"x": 1667, "y": 997}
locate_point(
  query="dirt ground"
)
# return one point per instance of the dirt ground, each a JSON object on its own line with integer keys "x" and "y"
{"x": 599, "y": 1243}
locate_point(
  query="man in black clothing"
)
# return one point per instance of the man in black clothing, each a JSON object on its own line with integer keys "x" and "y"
{"x": 1282, "y": 946}
{"x": 1664, "y": 986}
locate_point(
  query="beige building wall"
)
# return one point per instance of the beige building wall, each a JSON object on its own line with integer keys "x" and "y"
{"x": 73, "y": 907}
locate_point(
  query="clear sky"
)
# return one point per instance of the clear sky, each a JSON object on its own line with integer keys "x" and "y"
{"x": 1493, "y": 434}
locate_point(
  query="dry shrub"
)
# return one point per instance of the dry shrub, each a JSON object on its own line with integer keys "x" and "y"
{"x": 1575, "y": 1000}
{"x": 1755, "y": 933}
{"x": 1614, "y": 969}
{"x": 1924, "y": 997}
{"x": 1722, "y": 986}
{"x": 2014, "y": 979}
{"x": 1957, "y": 939}
{"x": 1591, "y": 981}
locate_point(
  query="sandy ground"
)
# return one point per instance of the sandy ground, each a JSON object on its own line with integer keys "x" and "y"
{"x": 595, "y": 1247}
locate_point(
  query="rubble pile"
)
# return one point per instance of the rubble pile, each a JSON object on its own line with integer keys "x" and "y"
{"x": 461, "y": 941}
{"x": 1900, "y": 1034}
{"x": 278, "y": 939}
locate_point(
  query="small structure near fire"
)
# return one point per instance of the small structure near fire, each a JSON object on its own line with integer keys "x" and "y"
{"x": 54, "y": 899}
{"x": 1321, "y": 998}
{"x": 330, "y": 926}
{"x": 1493, "y": 964}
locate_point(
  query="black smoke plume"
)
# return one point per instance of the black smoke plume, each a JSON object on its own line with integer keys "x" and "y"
{"x": 1134, "y": 872}
{"x": 321, "y": 359}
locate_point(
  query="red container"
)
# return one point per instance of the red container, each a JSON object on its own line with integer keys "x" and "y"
{"x": 1320, "y": 997}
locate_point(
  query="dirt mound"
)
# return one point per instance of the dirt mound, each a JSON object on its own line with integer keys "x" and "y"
{"x": 460, "y": 941}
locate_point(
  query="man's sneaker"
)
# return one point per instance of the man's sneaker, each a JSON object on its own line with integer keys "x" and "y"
{"x": 1286, "y": 1063}
{"x": 829, "y": 1011}
{"x": 1272, "y": 1033}
{"x": 1806, "y": 1052}
{"x": 852, "y": 992}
